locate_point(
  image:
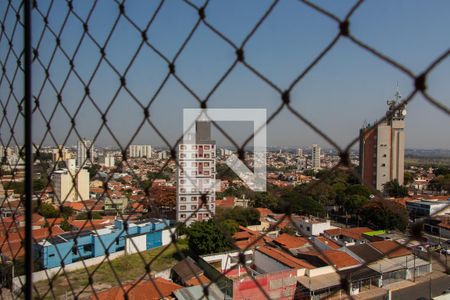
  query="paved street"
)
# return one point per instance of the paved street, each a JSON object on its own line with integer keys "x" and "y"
{"x": 437, "y": 286}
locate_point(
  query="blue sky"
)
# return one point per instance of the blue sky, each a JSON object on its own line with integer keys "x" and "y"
{"x": 348, "y": 87}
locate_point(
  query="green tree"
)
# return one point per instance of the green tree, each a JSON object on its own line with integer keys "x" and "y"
{"x": 409, "y": 178}
{"x": 265, "y": 200}
{"x": 353, "y": 203}
{"x": 67, "y": 211}
{"x": 360, "y": 190}
{"x": 384, "y": 214}
{"x": 229, "y": 227}
{"x": 180, "y": 228}
{"x": 95, "y": 215}
{"x": 65, "y": 225}
{"x": 48, "y": 211}
{"x": 440, "y": 183}
{"x": 394, "y": 189}
{"x": 300, "y": 203}
{"x": 242, "y": 216}
{"x": 441, "y": 171}
{"x": 207, "y": 237}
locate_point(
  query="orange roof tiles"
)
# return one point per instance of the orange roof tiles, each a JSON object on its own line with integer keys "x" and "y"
{"x": 328, "y": 242}
{"x": 354, "y": 233}
{"x": 227, "y": 202}
{"x": 390, "y": 249}
{"x": 248, "y": 238}
{"x": 285, "y": 258}
{"x": 202, "y": 280}
{"x": 144, "y": 290}
{"x": 291, "y": 242}
{"x": 264, "y": 212}
{"x": 335, "y": 258}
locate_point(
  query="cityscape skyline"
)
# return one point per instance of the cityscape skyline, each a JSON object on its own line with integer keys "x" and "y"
{"x": 357, "y": 84}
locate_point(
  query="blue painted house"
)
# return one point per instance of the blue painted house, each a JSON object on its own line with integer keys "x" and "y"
{"x": 68, "y": 248}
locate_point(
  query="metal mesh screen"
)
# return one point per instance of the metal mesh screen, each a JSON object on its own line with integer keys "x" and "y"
{"x": 75, "y": 73}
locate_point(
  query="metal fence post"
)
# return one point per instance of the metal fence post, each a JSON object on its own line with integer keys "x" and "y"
{"x": 28, "y": 150}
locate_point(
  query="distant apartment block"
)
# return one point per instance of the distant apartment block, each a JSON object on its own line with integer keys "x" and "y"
{"x": 315, "y": 157}
{"x": 61, "y": 154}
{"x": 382, "y": 148}
{"x": 196, "y": 177}
{"x": 85, "y": 153}
{"x": 70, "y": 184}
{"x": 107, "y": 161}
{"x": 140, "y": 151}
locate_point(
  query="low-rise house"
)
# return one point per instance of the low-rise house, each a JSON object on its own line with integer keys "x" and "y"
{"x": 428, "y": 207}
{"x": 392, "y": 260}
{"x": 347, "y": 236}
{"x": 188, "y": 273}
{"x": 67, "y": 248}
{"x": 309, "y": 225}
{"x": 337, "y": 259}
{"x": 292, "y": 243}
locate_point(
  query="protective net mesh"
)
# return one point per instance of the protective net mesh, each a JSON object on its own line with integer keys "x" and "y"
{"x": 77, "y": 75}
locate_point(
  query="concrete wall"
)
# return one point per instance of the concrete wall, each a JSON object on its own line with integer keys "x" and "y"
{"x": 225, "y": 258}
{"x": 165, "y": 237}
{"x": 383, "y": 160}
{"x": 136, "y": 244}
{"x": 320, "y": 271}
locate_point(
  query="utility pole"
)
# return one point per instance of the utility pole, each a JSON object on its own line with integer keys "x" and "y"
{"x": 430, "y": 288}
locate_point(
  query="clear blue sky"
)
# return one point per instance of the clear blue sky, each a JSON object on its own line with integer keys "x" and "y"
{"x": 348, "y": 87}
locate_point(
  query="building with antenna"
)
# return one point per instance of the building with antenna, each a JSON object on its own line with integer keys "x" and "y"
{"x": 382, "y": 147}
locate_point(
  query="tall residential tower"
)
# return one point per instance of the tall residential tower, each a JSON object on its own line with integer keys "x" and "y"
{"x": 85, "y": 153}
{"x": 315, "y": 157}
{"x": 382, "y": 148}
{"x": 197, "y": 176}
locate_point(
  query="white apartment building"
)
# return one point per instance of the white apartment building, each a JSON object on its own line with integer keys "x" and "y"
{"x": 196, "y": 177}
{"x": 70, "y": 184}
{"x": 315, "y": 157}
{"x": 140, "y": 151}
{"x": 107, "y": 161}
{"x": 85, "y": 153}
{"x": 312, "y": 226}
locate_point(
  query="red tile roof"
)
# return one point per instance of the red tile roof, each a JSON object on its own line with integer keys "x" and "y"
{"x": 144, "y": 290}
{"x": 390, "y": 248}
{"x": 285, "y": 258}
{"x": 335, "y": 258}
{"x": 227, "y": 202}
{"x": 248, "y": 238}
{"x": 291, "y": 242}
{"x": 328, "y": 242}
{"x": 354, "y": 233}
{"x": 202, "y": 280}
{"x": 264, "y": 212}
